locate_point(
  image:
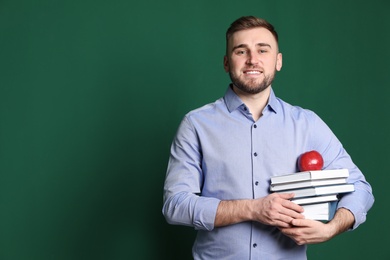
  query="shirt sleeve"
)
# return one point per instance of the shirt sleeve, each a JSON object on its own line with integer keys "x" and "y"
{"x": 335, "y": 157}
{"x": 183, "y": 203}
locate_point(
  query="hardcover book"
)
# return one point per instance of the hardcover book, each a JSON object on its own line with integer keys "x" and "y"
{"x": 323, "y": 190}
{"x": 315, "y": 199}
{"x": 310, "y": 175}
{"x": 306, "y": 184}
{"x": 320, "y": 211}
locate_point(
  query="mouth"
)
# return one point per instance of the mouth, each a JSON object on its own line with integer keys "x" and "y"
{"x": 252, "y": 72}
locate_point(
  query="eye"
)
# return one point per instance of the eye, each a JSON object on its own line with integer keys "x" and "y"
{"x": 241, "y": 52}
{"x": 263, "y": 51}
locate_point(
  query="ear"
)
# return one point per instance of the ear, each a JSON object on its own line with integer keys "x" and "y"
{"x": 226, "y": 63}
{"x": 279, "y": 61}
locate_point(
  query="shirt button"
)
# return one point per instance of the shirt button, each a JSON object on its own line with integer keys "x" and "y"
{"x": 255, "y": 154}
{"x": 256, "y": 183}
{"x": 255, "y": 126}
{"x": 254, "y": 245}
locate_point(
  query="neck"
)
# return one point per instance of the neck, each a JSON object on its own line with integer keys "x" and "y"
{"x": 255, "y": 102}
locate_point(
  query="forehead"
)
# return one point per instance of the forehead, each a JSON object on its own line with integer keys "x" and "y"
{"x": 252, "y": 37}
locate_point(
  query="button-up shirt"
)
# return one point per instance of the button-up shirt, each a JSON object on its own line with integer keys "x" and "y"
{"x": 221, "y": 153}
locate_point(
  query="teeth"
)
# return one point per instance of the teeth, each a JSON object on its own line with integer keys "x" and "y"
{"x": 253, "y": 72}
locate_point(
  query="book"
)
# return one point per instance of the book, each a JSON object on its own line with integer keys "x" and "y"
{"x": 322, "y": 190}
{"x": 310, "y": 175}
{"x": 305, "y": 184}
{"x": 316, "y": 199}
{"x": 320, "y": 211}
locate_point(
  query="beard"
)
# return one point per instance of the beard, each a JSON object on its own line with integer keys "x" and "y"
{"x": 251, "y": 86}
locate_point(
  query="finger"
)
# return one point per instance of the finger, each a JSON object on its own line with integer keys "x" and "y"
{"x": 293, "y": 213}
{"x": 293, "y": 206}
{"x": 286, "y": 220}
{"x": 301, "y": 222}
{"x": 289, "y": 204}
{"x": 288, "y": 231}
{"x": 283, "y": 225}
{"x": 286, "y": 196}
{"x": 295, "y": 234}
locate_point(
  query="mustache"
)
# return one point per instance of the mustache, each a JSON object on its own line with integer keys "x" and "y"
{"x": 257, "y": 68}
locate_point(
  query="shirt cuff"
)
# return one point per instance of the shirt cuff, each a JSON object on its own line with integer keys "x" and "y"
{"x": 358, "y": 204}
{"x": 205, "y": 211}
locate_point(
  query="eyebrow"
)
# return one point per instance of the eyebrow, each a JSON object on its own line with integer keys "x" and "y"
{"x": 261, "y": 44}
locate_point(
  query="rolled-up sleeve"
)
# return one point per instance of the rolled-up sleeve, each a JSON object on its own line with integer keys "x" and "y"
{"x": 183, "y": 204}
{"x": 361, "y": 200}
{"x": 358, "y": 202}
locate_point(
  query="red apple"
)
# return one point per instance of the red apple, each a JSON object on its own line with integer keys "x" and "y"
{"x": 310, "y": 161}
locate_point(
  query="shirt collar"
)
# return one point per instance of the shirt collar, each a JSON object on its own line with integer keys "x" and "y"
{"x": 273, "y": 102}
{"x": 232, "y": 101}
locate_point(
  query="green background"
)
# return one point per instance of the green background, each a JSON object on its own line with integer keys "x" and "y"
{"x": 92, "y": 92}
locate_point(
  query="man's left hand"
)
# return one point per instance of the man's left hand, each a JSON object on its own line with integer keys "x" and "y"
{"x": 306, "y": 231}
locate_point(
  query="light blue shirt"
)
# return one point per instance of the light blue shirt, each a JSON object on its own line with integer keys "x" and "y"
{"x": 221, "y": 153}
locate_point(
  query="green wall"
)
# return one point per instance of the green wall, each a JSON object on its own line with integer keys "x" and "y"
{"x": 92, "y": 92}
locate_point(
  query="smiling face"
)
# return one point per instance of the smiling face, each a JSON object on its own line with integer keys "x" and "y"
{"x": 252, "y": 59}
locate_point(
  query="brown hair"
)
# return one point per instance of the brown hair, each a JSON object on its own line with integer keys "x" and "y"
{"x": 249, "y": 22}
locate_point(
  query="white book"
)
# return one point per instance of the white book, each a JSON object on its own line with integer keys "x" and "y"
{"x": 320, "y": 211}
{"x": 316, "y": 199}
{"x": 310, "y": 175}
{"x": 306, "y": 184}
{"x": 323, "y": 190}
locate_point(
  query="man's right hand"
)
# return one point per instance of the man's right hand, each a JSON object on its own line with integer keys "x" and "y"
{"x": 275, "y": 210}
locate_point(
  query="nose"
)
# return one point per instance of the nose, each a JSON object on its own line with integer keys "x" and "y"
{"x": 253, "y": 59}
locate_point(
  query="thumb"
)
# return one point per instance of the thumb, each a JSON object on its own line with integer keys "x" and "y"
{"x": 286, "y": 196}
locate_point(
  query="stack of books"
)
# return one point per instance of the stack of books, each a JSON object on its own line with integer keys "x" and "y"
{"x": 316, "y": 191}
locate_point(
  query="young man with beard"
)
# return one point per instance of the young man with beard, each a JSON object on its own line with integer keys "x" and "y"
{"x": 225, "y": 153}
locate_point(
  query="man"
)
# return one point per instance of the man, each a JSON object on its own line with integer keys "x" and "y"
{"x": 225, "y": 153}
